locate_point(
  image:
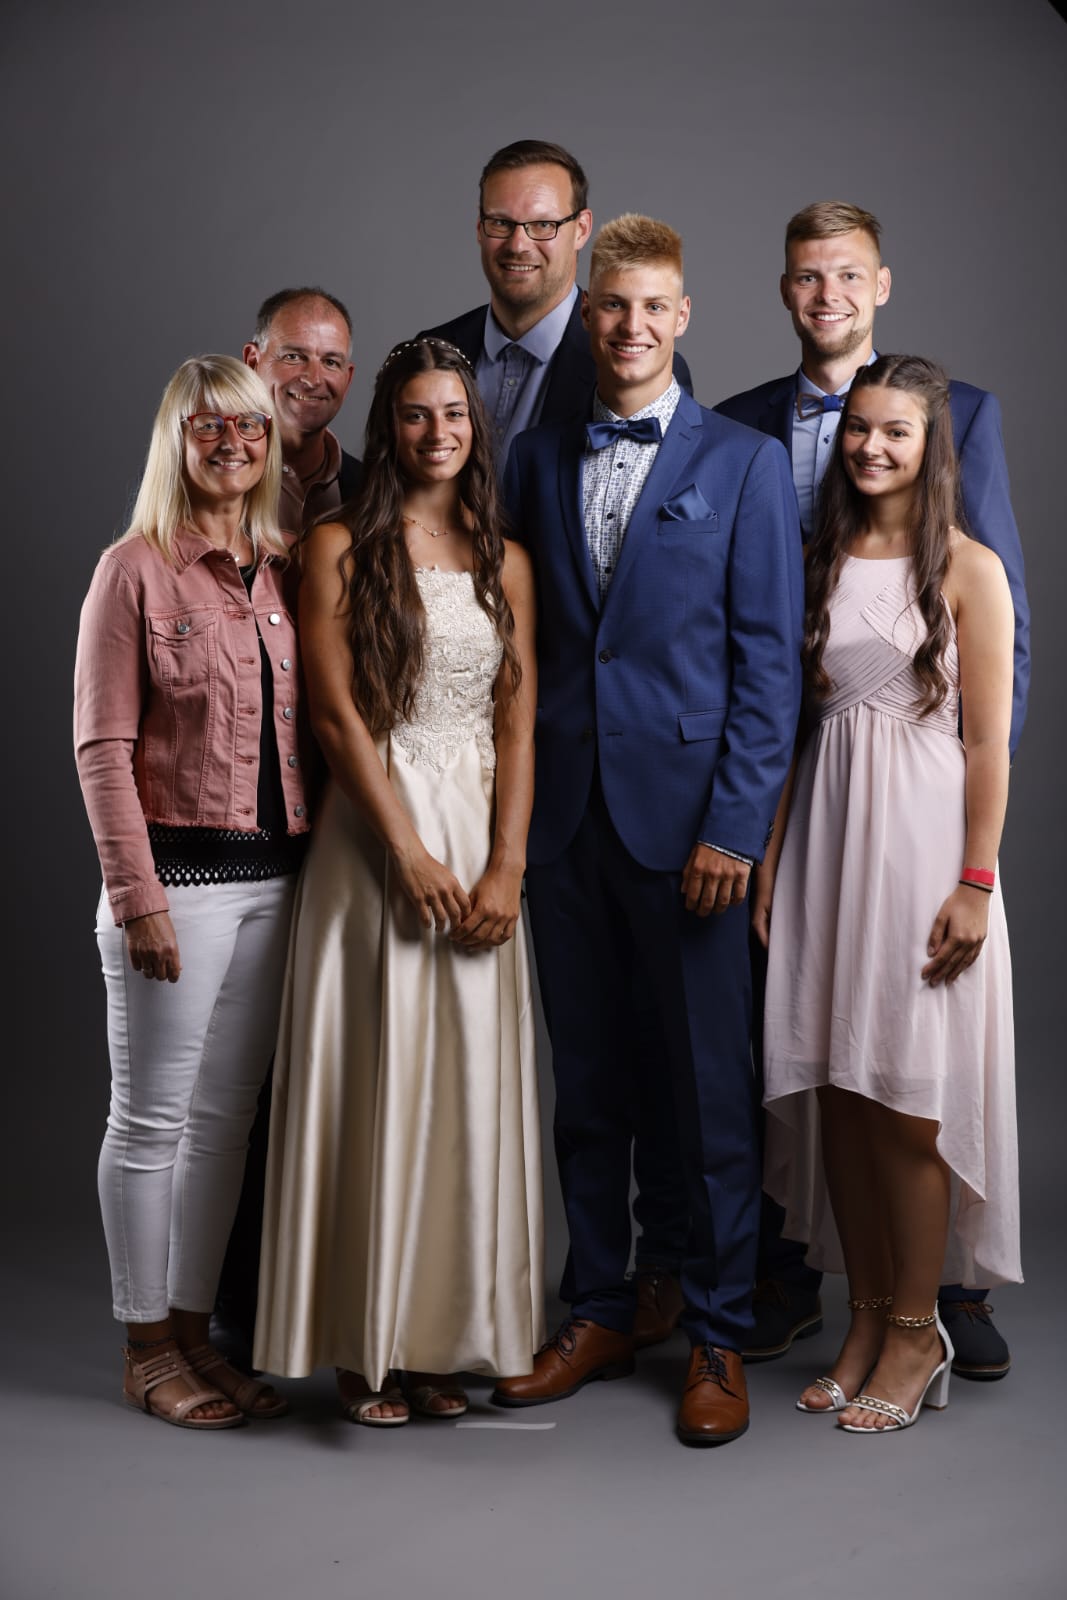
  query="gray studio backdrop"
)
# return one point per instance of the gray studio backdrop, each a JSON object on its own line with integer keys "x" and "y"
{"x": 171, "y": 164}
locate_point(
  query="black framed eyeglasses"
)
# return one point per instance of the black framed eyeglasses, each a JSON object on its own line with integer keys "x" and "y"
{"x": 540, "y": 229}
{"x": 250, "y": 425}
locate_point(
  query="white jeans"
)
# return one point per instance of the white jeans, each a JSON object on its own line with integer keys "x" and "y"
{"x": 187, "y": 1062}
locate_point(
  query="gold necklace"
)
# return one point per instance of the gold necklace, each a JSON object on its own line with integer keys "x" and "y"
{"x": 435, "y": 533}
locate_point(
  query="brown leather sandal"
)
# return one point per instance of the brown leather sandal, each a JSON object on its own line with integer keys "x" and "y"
{"x": 206, "y": 1362}
{"x": 143, "y": 1376}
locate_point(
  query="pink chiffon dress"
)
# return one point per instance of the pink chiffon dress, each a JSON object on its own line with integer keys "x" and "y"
{"x": 873, "y": 845}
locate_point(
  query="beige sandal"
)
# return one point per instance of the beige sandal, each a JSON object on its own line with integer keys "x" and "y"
{"x": 142, "y": 1377}
{"x": 359, "y": 1408}
{"x": 419, "y": 1400}
{"x": 206, "y": 1362}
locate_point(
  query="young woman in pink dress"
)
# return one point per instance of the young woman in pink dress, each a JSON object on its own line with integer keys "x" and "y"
{"x": 889, "y": 1051}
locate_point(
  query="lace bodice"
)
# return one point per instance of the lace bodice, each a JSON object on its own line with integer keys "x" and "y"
{"x": 462, "y": 655}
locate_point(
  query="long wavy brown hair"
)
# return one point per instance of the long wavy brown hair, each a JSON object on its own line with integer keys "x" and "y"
{"x": 387, "y": 621}
{"x": 935, "y": 509}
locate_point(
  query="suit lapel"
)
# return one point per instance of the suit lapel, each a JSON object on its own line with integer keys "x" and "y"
{"x": 777, "y": 417}
{"x": 679, "y": 442}
{"x": 571, "y": 451}
{"x": 572, "y": 377}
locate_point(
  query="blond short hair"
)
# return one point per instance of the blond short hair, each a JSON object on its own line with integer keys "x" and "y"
{"x": 204, "y": 383}
{"x": 825, "y": 219}
{"x": 634, "y": 241}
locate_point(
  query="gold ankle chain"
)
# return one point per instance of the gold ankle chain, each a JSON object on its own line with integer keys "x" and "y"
{"x": 875, "y": 1304}
{"x": 912, "y": 1322}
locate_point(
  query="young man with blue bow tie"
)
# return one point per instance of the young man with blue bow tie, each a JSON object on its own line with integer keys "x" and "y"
{"x": 667, "y": 553}
{"x": 833, "y": 283}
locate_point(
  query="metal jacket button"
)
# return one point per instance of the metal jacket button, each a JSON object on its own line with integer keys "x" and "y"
{"x": 274, "y": 619}
{"x": 288, "y": 713}
{"x": 183, "y": 627}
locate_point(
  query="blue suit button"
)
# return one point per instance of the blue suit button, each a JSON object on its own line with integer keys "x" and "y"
{"x": 605, "y": 655}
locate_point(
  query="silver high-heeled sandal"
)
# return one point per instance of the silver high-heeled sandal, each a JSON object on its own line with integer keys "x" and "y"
{"x": 838, "y": 1398}
{"x": 935, "y": 1394}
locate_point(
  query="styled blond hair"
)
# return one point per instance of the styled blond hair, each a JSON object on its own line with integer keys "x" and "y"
{"x": 825, "y": 219}
{"x": 204, "y": 383}
{"x": 634, "y": 241}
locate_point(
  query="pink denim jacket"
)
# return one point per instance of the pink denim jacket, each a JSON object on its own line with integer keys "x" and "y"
{"x": 167, "y": 699}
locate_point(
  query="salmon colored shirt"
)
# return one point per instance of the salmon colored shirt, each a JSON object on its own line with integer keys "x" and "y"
{"x": 168, "y": 698}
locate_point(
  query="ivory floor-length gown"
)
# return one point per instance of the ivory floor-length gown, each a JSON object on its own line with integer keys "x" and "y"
{"x": 873, "y": 846}
{"x": 403, "y": 1214}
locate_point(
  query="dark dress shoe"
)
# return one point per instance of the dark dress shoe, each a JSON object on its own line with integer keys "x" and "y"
{"x": 980, "y": 1351}
{"x": 659, "y": 1305}
{"x": 714, "y": 1406}
{"x": 578, "y": 1353}
{"x": 782, "y": 1313}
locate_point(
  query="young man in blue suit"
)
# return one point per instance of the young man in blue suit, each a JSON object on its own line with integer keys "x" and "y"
{"x": 530, "y": 350}
{"x": 833, "y": 283}
{"x": 667, "y": 554}
{"x": 528, "y": 346}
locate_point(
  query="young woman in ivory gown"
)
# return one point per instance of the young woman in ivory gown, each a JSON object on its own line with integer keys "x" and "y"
{"x": 889, "y": 983}
{"x": 402, "y": 1230}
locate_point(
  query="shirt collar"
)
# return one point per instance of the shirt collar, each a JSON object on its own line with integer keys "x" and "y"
{"x": 326, "y": 473}
{"x": 664, "y": 406}
{"x": 541, "y": 341}
{"x": 805, "y": 385}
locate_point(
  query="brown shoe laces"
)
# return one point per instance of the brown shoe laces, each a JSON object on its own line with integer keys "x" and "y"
{"x": 564, "y": 1339}
{"x": 712, "y": 1369}
{"x": 977, "y": 1310}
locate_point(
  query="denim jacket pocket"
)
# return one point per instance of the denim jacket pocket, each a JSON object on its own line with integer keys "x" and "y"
{"x": 183, "y": 646}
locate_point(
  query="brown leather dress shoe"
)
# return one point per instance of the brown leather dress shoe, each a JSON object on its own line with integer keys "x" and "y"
{"x": 579, "y": 1352}
{"x": 714, "y": 1406}
{"x": 659, "y": 1305}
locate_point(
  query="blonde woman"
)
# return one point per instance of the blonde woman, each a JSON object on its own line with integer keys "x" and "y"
{"x": 186, "y": 736}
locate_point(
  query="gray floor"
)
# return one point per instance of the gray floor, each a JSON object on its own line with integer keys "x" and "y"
{"x": 590, "y": 1498}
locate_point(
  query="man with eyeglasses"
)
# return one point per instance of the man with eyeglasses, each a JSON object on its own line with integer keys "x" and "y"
{"x": 528, "y": 347}
{"x": 302, "y": 348}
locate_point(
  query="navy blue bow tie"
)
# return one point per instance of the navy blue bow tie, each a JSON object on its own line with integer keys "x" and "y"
{"x": 811, "y": 405}
{"x": 646, "y": 430}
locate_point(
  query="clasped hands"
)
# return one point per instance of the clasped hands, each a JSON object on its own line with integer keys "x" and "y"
{"x": 480, "y": 920}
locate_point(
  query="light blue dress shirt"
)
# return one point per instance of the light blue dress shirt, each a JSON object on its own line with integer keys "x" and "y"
{"x": 513, "y": 374}
{"x": 813, "y": 440}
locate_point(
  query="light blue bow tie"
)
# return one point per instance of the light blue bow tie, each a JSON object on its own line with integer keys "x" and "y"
{"x": 811, "y": 405}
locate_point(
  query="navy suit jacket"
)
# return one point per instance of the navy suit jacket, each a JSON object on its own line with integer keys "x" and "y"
{"x": 685, "y": 684}
{"x": 572, "y": 377}
{"x": 983, "y": 479}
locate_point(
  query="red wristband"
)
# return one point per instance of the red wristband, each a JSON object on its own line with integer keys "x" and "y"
{"x": 978, "y": 877}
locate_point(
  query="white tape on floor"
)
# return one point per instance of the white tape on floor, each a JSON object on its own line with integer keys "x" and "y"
{"x": 516, "y": 1427}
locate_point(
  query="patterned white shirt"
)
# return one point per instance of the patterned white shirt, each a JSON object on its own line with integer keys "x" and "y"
{"x": 612, "y": 480}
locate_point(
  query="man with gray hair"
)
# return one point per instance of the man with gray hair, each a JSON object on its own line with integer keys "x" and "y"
{"x": 302, "y": 349}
